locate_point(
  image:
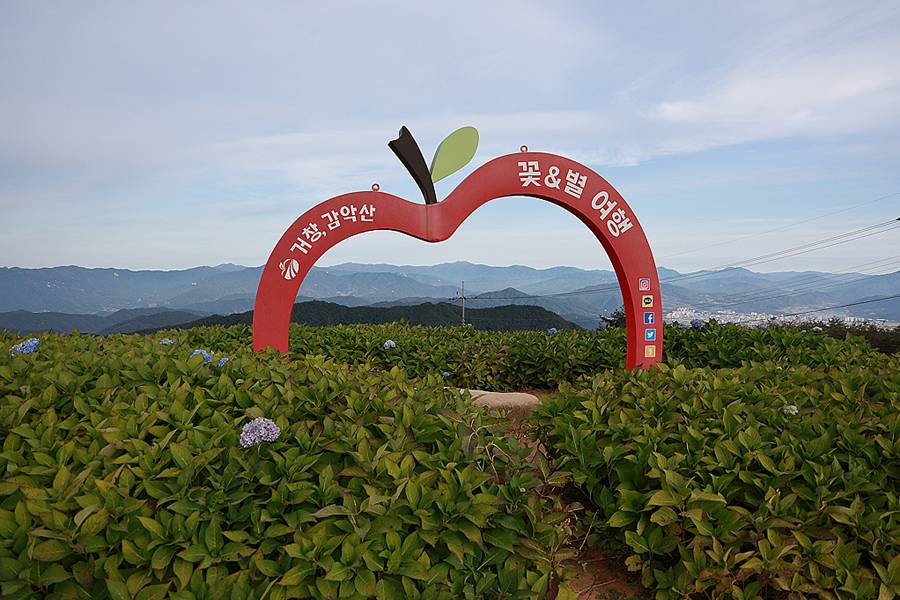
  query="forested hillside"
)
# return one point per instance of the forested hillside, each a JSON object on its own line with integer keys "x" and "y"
{"x": 320, "y": 314}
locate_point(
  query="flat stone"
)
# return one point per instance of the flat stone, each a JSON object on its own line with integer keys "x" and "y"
{"x": 517, "y": 405}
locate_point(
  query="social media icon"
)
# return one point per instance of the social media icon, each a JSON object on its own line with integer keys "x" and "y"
{"x": 647, "y": 301}
{"x": 648, "y": 318}
{"x": 644, "y": 285}
{"x": 650, "y": 335}
{"x": 649, "y": 351}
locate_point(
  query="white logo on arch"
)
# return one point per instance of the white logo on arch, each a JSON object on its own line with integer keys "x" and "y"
{"x": 289, "y": 268}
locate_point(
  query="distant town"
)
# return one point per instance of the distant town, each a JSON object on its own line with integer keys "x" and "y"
{"x": 687, "y": 314}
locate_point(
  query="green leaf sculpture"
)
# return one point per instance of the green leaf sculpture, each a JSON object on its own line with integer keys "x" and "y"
{"x": 454, "y": 153}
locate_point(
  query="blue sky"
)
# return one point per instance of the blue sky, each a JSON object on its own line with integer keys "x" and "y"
{"x": 169, "y": 135}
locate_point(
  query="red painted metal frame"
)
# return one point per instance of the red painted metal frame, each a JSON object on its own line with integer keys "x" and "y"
{"x": 530, "y": 174}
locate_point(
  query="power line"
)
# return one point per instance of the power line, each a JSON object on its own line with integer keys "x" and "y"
{"x": 802, "y": 249}
{"x": 867, "y": 231}
{"x": 810, "y": 248}
{"x": 806, "y": 312}
{"x": 712, "y": 269}
{"x": 807, "y": 284}
{"x": 783, "y": 227}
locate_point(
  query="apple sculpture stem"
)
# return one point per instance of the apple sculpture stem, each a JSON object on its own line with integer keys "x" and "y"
{"x": 409, "y": 153}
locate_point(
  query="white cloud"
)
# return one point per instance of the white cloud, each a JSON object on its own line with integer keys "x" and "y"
{"x": 814, "y": 74}
{"x": 257, "y": 112}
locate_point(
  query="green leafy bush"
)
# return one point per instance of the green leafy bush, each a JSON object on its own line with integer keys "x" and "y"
{"x": 473, "y": 358}
{"x": 766, "y": 480}
{"x": 519, "y": 359}
{"x": 883, "y": 339}
{"x": 753, "y": 463}
{"x": 717, "y": 345}
{"x": 121, "y": 476}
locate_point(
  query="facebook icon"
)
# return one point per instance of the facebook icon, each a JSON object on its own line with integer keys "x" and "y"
{"x": 648, "y": 318}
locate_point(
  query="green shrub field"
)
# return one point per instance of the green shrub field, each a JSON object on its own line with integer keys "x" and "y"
{"x": 754, "y": 463}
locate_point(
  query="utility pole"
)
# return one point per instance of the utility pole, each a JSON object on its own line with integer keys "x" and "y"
{"x": 464, "y": 304}
{"x": 463, "y": 298}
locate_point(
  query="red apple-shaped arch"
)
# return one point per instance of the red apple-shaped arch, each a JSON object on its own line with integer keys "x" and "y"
{"x": 556, "y": 179}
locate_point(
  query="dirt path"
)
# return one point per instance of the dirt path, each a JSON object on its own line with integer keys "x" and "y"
{"x": 603, "y": 578}
{"x": 600, "y": 576}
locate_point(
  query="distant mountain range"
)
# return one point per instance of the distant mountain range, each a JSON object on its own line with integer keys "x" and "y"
{"x": 118, "y": 300}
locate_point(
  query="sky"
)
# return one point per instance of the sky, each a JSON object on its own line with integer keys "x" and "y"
{"x": 175, "y": 134}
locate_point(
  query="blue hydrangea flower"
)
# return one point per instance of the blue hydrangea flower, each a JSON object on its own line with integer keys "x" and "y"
{"x": 790, "y": 410}
{"x": 207, "y": 357}
{"x": 389, "y": 344}
{"x": 696, "y": 323}
{"x": 551, "y": 331}
{"x": 445, "y": 374}
{"x": 258, "y": 431}
{"x": 26, "y": 347}
{"x": 166, "y": 341}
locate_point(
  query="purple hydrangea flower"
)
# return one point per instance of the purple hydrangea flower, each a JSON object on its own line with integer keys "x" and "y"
{"x": 26, "y": 347}
{"x": 258, "y": 431}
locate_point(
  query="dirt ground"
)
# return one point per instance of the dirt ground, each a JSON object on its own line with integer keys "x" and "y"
{"x": 600, "y": 576}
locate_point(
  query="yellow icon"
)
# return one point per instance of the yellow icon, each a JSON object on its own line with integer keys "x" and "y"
{"x": 649, "y": 351}
{"x": 647, "y": 301}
